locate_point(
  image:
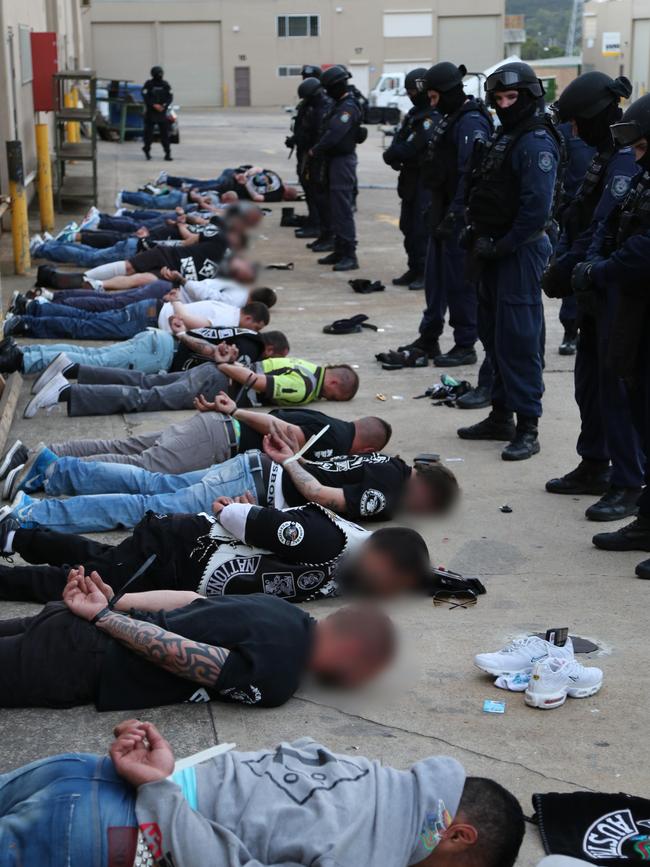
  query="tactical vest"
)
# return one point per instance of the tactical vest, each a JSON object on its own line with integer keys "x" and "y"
{"x": 579, "y": 212}
{"x": 348, "y": 144}
{"x": 492, "y": 194}
{"x": 635, "y": 210}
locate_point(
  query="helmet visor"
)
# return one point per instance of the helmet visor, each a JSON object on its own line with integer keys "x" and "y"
{"x": 502, "y": 79}
{"x": 627, "y": 133}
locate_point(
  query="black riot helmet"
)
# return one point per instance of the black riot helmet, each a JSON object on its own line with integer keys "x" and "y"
{"x": 592, "y": 102}
{"x": 416, "y": 88}
{"x": 446, "y": 79}
{"x": 157, "y": 72}
{"x": 311, "y": 71}
{"x": 522, "y": 78}
{"x": 634, "y": 126}
{"x": 308, "y": 88}
{"x": 335, "y": 81}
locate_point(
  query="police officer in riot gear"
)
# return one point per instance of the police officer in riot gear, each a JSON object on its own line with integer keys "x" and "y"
{"x": 309, "y": 70}
{"x": 607, "y": 434}
{"x": 305, "y": 132}
{"x": 157, "y": 96}
{"x": 405, "y": 155}
{"x": 621, "y": 252}
{"x": 463, "y": 121}
{"x": 335, "y": 152}
{"x": 511, "y": 196}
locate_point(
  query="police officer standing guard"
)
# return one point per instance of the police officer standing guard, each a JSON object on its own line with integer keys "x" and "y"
{"x": 511, "y": 198}
{"x": 304, "y": 133}
{"x": 463, "y": 121}
{"x": 340, "y": 134}
{"x": 607, "y": 432}
{"x": 157, "y": 95}
{"x": 405, "y": 155}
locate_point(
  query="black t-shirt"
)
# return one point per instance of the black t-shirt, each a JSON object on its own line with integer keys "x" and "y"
{"x": 249, "y": 343}
{"x": 200, "y": 261}
{"x": 373, "y": 485}
{"x": 337, "y": 440}
{"x": 269, "y": 643}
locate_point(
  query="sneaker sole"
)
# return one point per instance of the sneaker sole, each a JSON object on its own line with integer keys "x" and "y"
{"x": 502, "y": 672}
{"x": 630, "y": 547}
{"x": 577, "y": 492}
{"x": 7, "y": 488}
{"x": 545, "y": 700}
{"x": 24, "y": 471}
{"x": 56, "y": 366}
{"x": 495, "y": 439}
{"x": 4, "y": 466}
{"x": 585, "y": 691}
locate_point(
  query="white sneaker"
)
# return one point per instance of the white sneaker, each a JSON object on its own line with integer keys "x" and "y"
{"x": 95, "y": 285}
{"x": 521, "y": 655}
{"x": 59, "y": 364}
{"x": 47, "y": 396}
{"x": 45, "y": 293}
{"x": 118, "y": 200}
{"x": 161, "y": 179}
{"x": 48, "y": 236}
{"x": 91, "y": 220}
{"x": 36, "y": 242}
{"x": 67, "y": 233}
{"x": 553, "y": 679}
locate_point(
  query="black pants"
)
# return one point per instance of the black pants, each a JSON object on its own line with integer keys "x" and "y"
{"x": 51, "y": 660}
{"x": 115, "y": 563}
{"x": 151, "y": 120}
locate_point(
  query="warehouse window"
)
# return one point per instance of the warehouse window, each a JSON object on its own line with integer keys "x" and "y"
{"x": 298, "y": 25}
{"x": 286, "y": 71}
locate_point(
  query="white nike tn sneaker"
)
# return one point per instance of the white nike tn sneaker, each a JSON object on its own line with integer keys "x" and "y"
{"x": 521, "y": 655}
{"x": 553, "y": 680}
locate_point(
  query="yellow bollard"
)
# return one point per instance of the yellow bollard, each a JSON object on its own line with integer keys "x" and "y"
{"x": 75, "y": 127}
{"x": 45, "y": 197}
{"x": 19, "y": 222}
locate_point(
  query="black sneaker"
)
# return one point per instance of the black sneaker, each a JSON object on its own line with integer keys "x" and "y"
{"x": 16, "y": 456}
{"x": 457, "y": 356}
{"x": 307, "y": 232}
{"x": 392, "y": 360}
{"x": 643, "y": 570}
{"x": 332, "y": 259}
{"x": 11, "y": 356}
{"x": 589, "y": 477}
{"x": 632, "y": 537}
{"x": 497, "y": 426}
{"x": 18, "y": 304}
{"x": 569, "y": 343}
{"x": 406, "y": 278}
{"x": 431, "y": 347}
{"x": 525, "y": 442}
{"x": 347, "y": 263}
{"x": 169, "y": 158}
{"x": 417, "y": 285}
{"x": 615, "y": 504}
{"x": 476, "y": 398}
{"x": 8, "y": 524}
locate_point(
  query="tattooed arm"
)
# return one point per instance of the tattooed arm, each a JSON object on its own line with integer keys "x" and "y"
{"x": 193, "y": 660}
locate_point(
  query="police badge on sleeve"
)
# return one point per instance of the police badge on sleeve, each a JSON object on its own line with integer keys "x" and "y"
{"x": 545, "y": 161}
{"x": 345, "y": 117}
{"x": 620, "y": 186}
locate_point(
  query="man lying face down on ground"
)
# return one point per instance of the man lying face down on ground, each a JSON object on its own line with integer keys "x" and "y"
{"x": 295, "y": 805}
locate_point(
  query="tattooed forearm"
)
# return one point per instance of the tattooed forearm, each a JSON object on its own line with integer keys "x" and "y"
{"x": 200, "y": 347}
{"x": 312, "y": 490}
{"x": 193, "y": 660}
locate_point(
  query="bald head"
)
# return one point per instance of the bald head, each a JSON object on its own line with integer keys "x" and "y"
{"x": 371, "y": 434}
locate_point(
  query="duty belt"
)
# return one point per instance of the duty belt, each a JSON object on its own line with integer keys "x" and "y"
{"x": 254, "y": 460}
{"x": 231, "y": 433}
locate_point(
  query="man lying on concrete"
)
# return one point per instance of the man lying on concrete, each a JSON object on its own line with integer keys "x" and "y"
{"x": 248, "y": 182}
{"x": 50, "y": 320}
{"x": 169, "y": 646}
{"x": 106, "y": 391}
{"x": 295, "y": 805}
{"x": 163, "y": 199}
{"x": 299, "y": 554}
{"x": 361, "y": 487}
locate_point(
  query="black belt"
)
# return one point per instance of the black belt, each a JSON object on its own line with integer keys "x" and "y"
{"x": 231, "y": 432}
{"x": 257, "y": 470}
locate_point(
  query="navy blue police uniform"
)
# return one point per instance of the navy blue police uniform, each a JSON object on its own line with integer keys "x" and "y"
{"x": 405, "y": 155}
{"x": 306, "y": 130}
{"x": 156, "y": 91}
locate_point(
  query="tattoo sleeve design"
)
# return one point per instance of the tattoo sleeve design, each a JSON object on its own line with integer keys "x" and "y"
{"x": 192, "y": 660}
{"x": 200, "y": 347}
{"x": 312, "y": 490}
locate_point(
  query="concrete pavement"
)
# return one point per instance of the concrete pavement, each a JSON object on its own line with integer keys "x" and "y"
{"x": 537, "y": 562}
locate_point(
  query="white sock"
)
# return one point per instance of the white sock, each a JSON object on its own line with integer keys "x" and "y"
{"x": 9, "y": 543}
{"x": 105, "y": 272}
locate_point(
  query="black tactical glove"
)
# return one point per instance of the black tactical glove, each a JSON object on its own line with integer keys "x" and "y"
{"x": 556, "y": 283}
{"x": 290, "y": 141}
{"x": 487, "y": 248}
{"x": 586, "y": 292}
{"x": 466, "y": 238}
{"x": 445, "y": 230}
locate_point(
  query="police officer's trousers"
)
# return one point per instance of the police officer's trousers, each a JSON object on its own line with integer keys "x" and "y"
{"x": 151, "y": 120}
{"x": 446, "y": 286}
{"x": 639, "y": 395}
{"x": 413, "y": 225}
{"x": 607, "y": 429}
{"x": 512, "y": 326}
{"x": 342, "y": 186}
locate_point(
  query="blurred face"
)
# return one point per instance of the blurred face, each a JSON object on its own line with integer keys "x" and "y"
{"x": 346, "y": 664}
{"x": 505, "y": 98}
{"x": 373, "y": 573}
{"x": 434, "y": 98}
{"x": 418, "y": 499}
{"x": 241, "y": 270}
{"x": 640, "y": 149}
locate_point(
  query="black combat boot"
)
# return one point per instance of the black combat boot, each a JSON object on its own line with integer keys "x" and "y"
{"x": 457, "y": 356}
{"x": 11, "y": 356}
{"x": 417, "y": 285}
{"x": 589, "y": 477}
{"x": 476, "y": 398}
{"x": 334, "y": 257}
{"x": 146, "y": 153}
{"x": 569, "y": 343}
{"x": 525, "y": 442}
{"x": 499, "y": 425}
{"x": 347, "y": 262}
{"x": 324, "y": 244}
{"x": 407, "y": 277}
{"x": 632, "y": 537}
{"x": 615, "y": 504}
{"x": 427, "y": 344}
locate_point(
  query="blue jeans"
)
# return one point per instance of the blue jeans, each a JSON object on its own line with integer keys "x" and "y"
{"x": 224, "y": 181}
{"x": 163, "y": 202}
{"x": 87, "y": 299}
{"x": 138, "y": 492}
{"x": 57, "y": 812}
{"x": 149, "y": 352}
{"x": 127, "y": 223}
{"x": 86, "y": 257}
{"x": 81, "y": 324}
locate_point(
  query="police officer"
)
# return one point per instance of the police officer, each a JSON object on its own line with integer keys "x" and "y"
{"x": 405, "y": 156}
{"x": 157, "y": 95}
{"x": 306, "y": 127}
{"x": 511, "y": 198}
{"x": 310, "y": 70}
{"x": 463, "y": 122}
{"x": 336, "y": 148}
{"x": 607, "y": 434}
{"x": 579, "y": 155}
{"x": 623, "y": 247}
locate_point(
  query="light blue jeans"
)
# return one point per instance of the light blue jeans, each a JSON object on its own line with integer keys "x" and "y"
{"x": 86, "y": 257}
{"x": 163, "y": 202}
{"x": 119, "y": 495}
{"x": 149, "y": 352}
{"x": 57, "y": 812}
{"x": 77, "y": 324}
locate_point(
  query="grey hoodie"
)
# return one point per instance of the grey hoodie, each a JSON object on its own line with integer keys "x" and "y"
{"x": 300, "y": 804}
